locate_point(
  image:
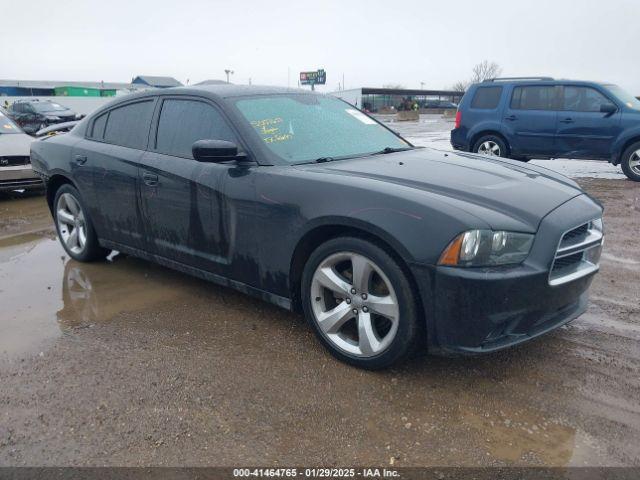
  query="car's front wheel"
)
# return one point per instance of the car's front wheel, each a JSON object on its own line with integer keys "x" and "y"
{"x": 360, "y": 303}
{"x": 75, "y": 230}
{"x": 491, "y": 145}
{"x": 631, "y": 162}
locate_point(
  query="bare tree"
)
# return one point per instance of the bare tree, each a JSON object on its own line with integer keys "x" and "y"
{"x": 460, "y": 86}
{"x": 480, "y": 72}
{"x": 485, "y": 70}
{"x": 395, "y": 86}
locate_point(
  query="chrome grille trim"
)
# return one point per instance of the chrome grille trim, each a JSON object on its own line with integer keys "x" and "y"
{"x": 571, "y": 261}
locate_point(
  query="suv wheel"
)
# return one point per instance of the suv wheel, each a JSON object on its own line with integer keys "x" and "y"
{"x": 360, "y": 303}
{"x": 75, "y": 230}
{"x": 490, "y": 145}
{"x": 631, "y": 162}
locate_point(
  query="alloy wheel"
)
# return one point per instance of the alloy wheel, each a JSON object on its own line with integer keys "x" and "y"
{"x": 634, "y": 162}
{"x": 354, "y": 304}
{"x": 490, "y": 148}
{"x": 71, "y": 223}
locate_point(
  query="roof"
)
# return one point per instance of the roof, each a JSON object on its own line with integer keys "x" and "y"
{"x": 157, "y": 81}
{"x": 407, "y": 91}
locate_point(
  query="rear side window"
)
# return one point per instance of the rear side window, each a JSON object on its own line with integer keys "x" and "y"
{"x": 486, "y": 98}
{"x": 99, "y": 123}
{"x": 583, "y": 99}
{"x": 533, "y": 98}
{"x": 128, "y": 126}
{"x": 183, "y": 122}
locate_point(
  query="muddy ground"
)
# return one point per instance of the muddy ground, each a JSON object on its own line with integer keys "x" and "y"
{"x": 127, "y": 363}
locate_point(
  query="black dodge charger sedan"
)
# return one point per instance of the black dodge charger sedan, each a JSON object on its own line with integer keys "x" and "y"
{"x": 306, "y": 202}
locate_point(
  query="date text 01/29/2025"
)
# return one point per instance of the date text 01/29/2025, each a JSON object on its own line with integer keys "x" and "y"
{"x": 316, "y": 472}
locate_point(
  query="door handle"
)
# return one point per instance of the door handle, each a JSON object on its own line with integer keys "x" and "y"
{"x": 150, "y": 179}
{"x": 511, "y": 118}
{"x": 80, "y": 159}
{"x": 567, "y": 120}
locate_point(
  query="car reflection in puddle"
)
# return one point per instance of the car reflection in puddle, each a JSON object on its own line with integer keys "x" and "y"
{"x": 45, "y": 294}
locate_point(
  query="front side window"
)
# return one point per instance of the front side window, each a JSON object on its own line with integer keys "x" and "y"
{"x": 486, "y": 98}
{"x": 583, "y": 99}
{"x": 301, "y": 128}
{"x": 128, "y": 126}
{"x": 533, "y": 98}
{"x": 184, "y": 122}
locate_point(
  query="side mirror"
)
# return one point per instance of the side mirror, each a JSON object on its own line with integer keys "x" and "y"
{"x": 214, "y": 151}
{"x": 608, "y": 108}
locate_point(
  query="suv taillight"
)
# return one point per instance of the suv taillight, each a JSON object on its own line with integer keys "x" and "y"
{"x": 458, "y": 118}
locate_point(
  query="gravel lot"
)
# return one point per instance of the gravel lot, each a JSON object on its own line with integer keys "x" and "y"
{"x": 127, "y": 363}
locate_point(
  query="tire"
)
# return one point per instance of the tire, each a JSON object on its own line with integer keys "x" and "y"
{"x": 630, "y": 162}
{"x": 384, "y": 331}
{"x": 73, "y": 224}
{"x": 491, "y": 143}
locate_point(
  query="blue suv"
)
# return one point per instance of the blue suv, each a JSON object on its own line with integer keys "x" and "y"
{"x": 524, "y": 118}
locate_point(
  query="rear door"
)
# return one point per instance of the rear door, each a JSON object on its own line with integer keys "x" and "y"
{"x": 583, "y": 131}
{"x": 106, "y": 164}
{"x": 530, "y": 119}
{"x": 183, "y": 203}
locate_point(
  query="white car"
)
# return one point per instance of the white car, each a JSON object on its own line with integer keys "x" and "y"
{"x": 15, "y": 165}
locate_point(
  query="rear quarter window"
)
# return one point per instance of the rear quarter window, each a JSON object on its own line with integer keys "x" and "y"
{"x": 128, "y": 126}
{"x": 486, "y": 98}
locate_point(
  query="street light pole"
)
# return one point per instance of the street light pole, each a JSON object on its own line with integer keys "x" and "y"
{"x": 228, "y": 72}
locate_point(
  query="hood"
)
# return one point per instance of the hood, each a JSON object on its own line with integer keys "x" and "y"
{"x": 508, "y": 187}
{"x": 15, "y": 144}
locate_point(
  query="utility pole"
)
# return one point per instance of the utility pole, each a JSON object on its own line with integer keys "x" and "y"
{"x": 422, "y": 84}
{"x": 228, "y": 72}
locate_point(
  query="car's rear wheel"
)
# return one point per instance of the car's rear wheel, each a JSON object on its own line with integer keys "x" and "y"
{"x": 631, "y": 162}
{"x": 75, "y": 230}
{"x": 491, "y": 145}
{"x": 360, "y": 303}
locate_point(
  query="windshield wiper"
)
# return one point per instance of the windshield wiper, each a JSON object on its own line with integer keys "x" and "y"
{"x": 391, "y": 150}
{"x": 324, "y": 159}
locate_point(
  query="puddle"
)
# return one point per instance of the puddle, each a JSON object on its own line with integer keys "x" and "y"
{"x": 44, "y": 293}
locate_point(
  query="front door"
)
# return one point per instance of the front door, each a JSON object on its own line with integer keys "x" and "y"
{"x": 183, "y": 201}
{"x": 583, "y": 131}
{"x": 530, "y": 120}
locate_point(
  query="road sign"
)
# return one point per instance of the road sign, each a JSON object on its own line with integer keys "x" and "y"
{"x": 318, "y": 77}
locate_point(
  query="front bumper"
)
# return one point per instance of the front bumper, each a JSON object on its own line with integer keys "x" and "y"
{"x": 19, "y": 177}
{"x": 481, "y": 310}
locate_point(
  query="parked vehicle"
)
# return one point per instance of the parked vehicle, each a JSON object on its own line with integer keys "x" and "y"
{"x": 56, "y": 129}
{"x": 524, "y": 118}
{"x": 306, "y": 202}
{"x": 15, "y": 167}
{"x": 34, "y": 115}
{"x": 441, "y": 104}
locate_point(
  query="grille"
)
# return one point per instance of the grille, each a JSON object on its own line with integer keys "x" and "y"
{"x": 14, "y": 161}
{"x": 576, "y": 232}
{"x": 578, "y": 253}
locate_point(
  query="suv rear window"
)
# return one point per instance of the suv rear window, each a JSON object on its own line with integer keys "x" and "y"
{"x": 486, "y": 98}
{"x": 533, "y": 98}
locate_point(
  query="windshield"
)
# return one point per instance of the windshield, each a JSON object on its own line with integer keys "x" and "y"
{"x": 624, "y": 96}
{"x": 304, "y": 128}
{"x": 48, "y": 107}
{"x": 7, "y": 125}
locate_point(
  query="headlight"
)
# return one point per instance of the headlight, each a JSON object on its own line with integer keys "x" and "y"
{"x": 483, "y": 248}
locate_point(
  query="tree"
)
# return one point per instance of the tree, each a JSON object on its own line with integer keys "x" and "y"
{"x": 485, "y": 70}
{"x": 480, "y": 72}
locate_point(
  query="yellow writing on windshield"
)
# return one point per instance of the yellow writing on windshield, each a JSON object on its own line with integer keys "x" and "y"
{"x": 269, "y": 128}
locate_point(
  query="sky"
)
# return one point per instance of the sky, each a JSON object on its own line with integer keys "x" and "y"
{"x": 368, "y": 43}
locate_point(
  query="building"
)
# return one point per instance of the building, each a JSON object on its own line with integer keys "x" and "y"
{"x": 156, "y": 82}
{"x": 50, "y": 88}
{"x": 385, "y": 100}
